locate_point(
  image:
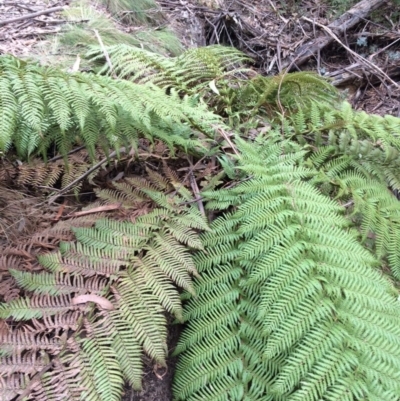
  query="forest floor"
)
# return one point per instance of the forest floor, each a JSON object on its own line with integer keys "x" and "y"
{"x": 362, "y": 59}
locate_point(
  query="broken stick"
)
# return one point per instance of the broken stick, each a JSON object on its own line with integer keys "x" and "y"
{"x": 32, "y": 15}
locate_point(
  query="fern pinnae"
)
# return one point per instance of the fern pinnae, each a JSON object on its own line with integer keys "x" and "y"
{"x": 36, "y": 307}
{"x": 8, "y": 107}
{"x": 183, "y": 234}
{"x": 53, "y": 107}
{"x": 159, "y": 284}
{"x": 26, "y": 89}
{"x": 141, "y": 310}
{"x": 108, "y": 379}
{"x": 56, "y": 284}
{"x": 127, "y": 350}
{"x": 173, "y": 261}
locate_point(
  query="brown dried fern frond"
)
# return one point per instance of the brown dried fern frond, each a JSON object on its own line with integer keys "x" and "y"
{"x": 50, "y": 237}
{"x": 11, "y": 386}
{"x": 49, "y": 176}
{"x": 56, "y": 323}
{"x": 14, "y": 342}
{"x": 28, "y": 363}
{"x": 124, "y": 193}
{"x": 38, "y": 174}
{"x": 62, "y": 382}
{"x": 8, "y": 288}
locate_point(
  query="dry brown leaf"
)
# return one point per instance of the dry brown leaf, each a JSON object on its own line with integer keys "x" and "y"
{"x": 104, "y": 303}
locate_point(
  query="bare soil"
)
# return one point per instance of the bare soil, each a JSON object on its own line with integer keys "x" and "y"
{"x": 157, "y": 382}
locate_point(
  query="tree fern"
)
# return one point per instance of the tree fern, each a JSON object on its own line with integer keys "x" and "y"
{"x": 289, "y": 305}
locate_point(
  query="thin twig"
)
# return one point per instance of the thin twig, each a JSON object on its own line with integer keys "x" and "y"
{"x": 84, "y": 175}
{"x": 224, "y": 134}
{"x": 103, "y": 49}
{"x": 32, "y": 15}
{"x": 55, "y": 158}
{"x": 105, "y": 208}
{"x": 196, "y": 192}
{"x": 383, "y": 49}
{"x": 195, "y": 188}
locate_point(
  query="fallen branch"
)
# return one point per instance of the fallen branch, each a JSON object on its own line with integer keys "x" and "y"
{"x": 363, "y": 60}
{"x": 356, "y": 72}
{"x": 346, "y": 21}
{"x": 32, "y": 15}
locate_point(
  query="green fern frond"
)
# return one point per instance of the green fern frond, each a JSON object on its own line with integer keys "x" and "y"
{"x": 138, "y": 266}
{"x": 57, "y": 284}
{"x": 218, "y": 74}
{"x": 84, "y": 260}
{"x": 128, "y": 350}
{"x": 375, "y": 210}
{"x": 133, "y": 12}
{"x": 35, "y": 307}
{"x": 291, "y": 92}
{"x": 358, "y": 159}
{"x": 289, "y": 304}
{"x": 190, "y": 72}
{"x": 8, "y": 107}
{"x": 53, "y": 107}
{"x": 107, "y": 378}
